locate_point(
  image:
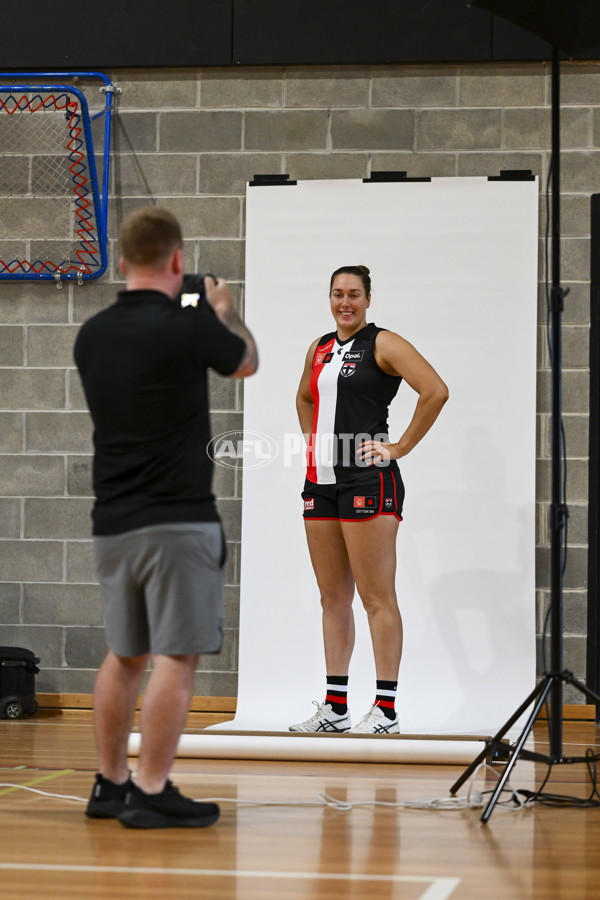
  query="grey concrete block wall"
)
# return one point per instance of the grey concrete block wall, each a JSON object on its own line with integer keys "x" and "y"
{"x": 189, "y": 140}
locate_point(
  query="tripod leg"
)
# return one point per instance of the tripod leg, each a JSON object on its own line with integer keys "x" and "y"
{"x": 584, "y": 689}
{"x": 547, "y": 685}
{"x": 498, "y": 736}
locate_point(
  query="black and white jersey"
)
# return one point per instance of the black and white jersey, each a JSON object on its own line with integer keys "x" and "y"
{"x": 351, "y": 396}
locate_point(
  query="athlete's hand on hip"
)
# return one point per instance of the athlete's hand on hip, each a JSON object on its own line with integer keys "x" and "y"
{"x": 376, "y": 452}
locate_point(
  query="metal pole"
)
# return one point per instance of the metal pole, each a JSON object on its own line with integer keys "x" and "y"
{"x": 557, "y": 510}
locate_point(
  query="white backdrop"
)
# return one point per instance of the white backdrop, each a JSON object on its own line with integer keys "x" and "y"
{"x": 454, "y": 269}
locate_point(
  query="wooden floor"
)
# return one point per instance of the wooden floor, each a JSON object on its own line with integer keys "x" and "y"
{"x": 49, "y": 849}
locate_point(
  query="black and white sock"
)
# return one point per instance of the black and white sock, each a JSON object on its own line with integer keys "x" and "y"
{"x": 337, "y": 693}
{"x": 386, "y": 697}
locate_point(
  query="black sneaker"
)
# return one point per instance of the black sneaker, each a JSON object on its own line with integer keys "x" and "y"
{"x": 169, "y": 809}
{"x": 108, "y": 798}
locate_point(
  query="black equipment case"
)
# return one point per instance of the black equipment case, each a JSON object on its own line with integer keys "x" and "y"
{"x": 17, "y": 682}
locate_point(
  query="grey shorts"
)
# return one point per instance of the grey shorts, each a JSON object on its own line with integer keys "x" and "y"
{"x": 162, "y": 588}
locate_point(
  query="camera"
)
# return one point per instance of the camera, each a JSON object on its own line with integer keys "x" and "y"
{"x": 193, "y": 291}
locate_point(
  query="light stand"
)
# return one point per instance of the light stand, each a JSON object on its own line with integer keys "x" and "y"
{"x": 551, "y": 685}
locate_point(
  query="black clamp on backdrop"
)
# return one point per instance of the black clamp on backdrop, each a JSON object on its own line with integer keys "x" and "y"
{"x": 263, "y": 180}
{"x": 513, "y": 175}
{"x": 381, "y": 176}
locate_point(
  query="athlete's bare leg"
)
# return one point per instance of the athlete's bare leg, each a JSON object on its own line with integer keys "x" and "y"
{"x": 334, "y": 576}
{"x": 371, "y": 548}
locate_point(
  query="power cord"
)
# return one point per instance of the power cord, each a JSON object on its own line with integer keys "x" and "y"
{"x": 517, "y": 799}
{"x": 22, "y": 787}
{"x": 566, "y": 800}
{"x": 322, "y": 800}
{"x": 473, "y": 800}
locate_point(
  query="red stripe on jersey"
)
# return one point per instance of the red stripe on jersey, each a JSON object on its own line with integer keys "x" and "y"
{"x": 317, "y": 368}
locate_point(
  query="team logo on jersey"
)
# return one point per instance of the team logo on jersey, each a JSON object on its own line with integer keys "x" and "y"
{"x": 389, "y": 503}
{"x": 364, "y": 502}
{"x": 310, "y": 503}
{"x": 322, "y": 358}
{"x": 353, "y": 356}
{"x": 348, "y": 369}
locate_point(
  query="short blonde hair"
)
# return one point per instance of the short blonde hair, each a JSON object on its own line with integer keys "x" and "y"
{"x": 148, "y": 237}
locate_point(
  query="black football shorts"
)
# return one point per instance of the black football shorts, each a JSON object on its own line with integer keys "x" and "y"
{"x": 378, "y": 491}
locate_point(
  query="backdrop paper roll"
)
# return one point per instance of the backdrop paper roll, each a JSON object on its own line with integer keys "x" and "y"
{"x": 454, "y": 269}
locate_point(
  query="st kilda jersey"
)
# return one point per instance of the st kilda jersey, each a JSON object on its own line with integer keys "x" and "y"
{"x": 351, "y": 396}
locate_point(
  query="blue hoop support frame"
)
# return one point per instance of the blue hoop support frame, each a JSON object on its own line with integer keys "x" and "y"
{"x": 100, "y": 203}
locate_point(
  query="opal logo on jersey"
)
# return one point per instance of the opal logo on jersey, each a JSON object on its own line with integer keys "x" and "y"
{"x": 353, "y": 356}
{"x": 242, "y": 449}
{"x": 348, "y": 369}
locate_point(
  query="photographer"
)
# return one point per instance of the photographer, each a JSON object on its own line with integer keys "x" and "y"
{"x": 159, "y": 546}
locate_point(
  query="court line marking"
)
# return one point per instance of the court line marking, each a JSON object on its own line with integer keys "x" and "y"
{"x": 18, "y": 787}
{"x": 440, "y": 888}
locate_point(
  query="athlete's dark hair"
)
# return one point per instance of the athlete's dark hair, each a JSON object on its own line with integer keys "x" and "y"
{"x": 360, "y": 271}
{"x": 148, "y": 236}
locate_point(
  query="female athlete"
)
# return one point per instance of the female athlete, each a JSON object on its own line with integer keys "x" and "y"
{"x": 353, "y": 491}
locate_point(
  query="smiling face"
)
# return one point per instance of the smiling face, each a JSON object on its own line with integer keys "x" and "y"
{"x": 349, "y": 304}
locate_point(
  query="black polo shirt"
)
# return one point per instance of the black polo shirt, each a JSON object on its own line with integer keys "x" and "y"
{"x": 143, "y": 364}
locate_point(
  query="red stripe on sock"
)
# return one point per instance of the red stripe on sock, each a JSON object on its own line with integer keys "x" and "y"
{"x": 389, "y": 704}
{"x": 333, "y": 698}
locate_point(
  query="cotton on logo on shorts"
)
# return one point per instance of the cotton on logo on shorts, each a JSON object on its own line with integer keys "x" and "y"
{"x": 364, "y": 502}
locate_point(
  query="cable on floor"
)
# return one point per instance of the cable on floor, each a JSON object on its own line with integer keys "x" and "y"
{"x": 516, "y": 799}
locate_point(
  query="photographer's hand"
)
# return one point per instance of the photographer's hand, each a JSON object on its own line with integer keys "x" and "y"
{"x": 218, "y": 296}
